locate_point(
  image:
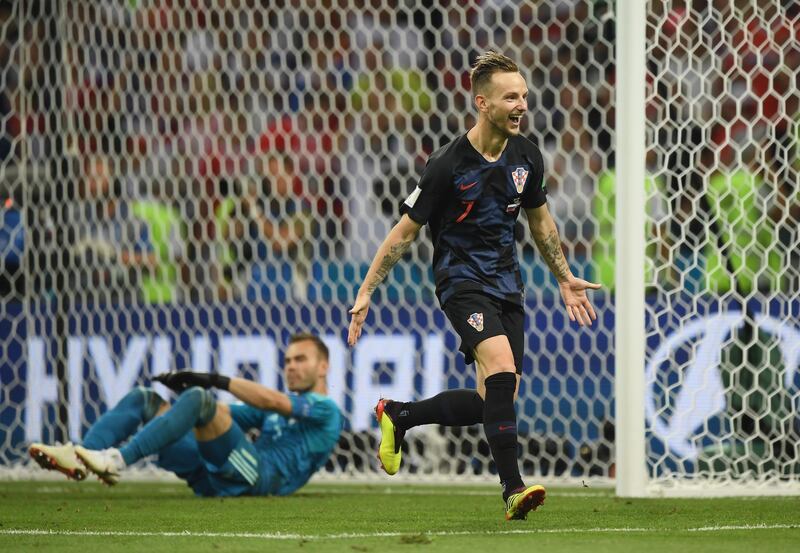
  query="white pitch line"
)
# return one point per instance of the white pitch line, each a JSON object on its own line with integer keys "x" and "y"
{"x": 745, "y": 527}
{"x": 282, "y": 536}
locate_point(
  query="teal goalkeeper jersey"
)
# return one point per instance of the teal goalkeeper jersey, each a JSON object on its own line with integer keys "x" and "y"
{"x": 292, "y": 448}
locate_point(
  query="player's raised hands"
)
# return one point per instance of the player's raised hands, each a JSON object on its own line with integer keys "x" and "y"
{"x": 358, "y": 316}
{"x": 579, "y": 308}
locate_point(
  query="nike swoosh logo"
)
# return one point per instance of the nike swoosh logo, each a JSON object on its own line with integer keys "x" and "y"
{"x": 501, "y": 428}
{"x": 467, "y": 186}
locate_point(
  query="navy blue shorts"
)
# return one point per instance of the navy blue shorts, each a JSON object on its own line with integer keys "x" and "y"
{"x": 476, "y": 316}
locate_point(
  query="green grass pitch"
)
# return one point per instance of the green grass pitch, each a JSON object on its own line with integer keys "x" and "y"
{"x": 402, "y": 517}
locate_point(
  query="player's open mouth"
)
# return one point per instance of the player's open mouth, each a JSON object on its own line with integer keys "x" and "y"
{"x": 515, "y": 119}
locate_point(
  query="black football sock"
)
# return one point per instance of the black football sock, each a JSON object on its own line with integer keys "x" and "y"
{"x": 449, "y": 408}
{"x": 500, "y": 427}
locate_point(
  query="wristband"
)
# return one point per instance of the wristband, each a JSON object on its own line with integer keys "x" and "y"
{"x": 220, "y": 381}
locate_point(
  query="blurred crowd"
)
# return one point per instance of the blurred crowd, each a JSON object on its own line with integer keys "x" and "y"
{"x": 216, "y": 150}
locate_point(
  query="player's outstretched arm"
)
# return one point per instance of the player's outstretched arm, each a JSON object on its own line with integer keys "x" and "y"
{"x": 573, "y": 290}
{"x": 260, "y": 397}
{"x": 394, "y": 246}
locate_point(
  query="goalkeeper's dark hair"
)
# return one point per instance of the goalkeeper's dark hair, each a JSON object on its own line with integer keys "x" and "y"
{"x": 486, "y": 65}
{"x": 322, "y": 349}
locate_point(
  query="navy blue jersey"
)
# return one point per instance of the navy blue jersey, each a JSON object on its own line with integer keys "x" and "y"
{"x": 471, "y": 206}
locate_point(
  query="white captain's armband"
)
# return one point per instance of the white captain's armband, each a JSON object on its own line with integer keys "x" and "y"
{"x": 412, "y": 198}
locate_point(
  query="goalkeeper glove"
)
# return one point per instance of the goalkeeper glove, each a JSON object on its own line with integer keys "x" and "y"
{"x": 178, "y": 381}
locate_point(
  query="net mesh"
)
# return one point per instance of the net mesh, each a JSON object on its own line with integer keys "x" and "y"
{"x": 187, "y": 183}
{"x": 722, "y": 101}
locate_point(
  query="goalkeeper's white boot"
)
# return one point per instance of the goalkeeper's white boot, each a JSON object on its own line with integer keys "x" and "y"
{"x": 58, "y": 457}
{"x": 105, "y": 463}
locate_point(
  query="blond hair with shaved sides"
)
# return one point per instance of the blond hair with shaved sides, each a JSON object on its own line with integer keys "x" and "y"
{"x": 486, "y": 65}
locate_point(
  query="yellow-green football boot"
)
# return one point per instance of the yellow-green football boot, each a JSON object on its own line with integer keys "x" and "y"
{"x": 389, "y": 452}
{"x": 518, "y": 505}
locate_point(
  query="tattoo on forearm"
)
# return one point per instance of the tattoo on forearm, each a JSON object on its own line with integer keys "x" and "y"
{"x": 550, "y": 248}
{"x": 389, "y": 260}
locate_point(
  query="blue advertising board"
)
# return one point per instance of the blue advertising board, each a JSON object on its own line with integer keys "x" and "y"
{"x": 566, "y": 390}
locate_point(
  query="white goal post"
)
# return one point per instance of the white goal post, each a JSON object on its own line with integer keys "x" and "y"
{"x": 629, "y": 335}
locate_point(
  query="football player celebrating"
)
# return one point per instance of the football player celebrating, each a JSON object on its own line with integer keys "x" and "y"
{"x": 470, "y": 195}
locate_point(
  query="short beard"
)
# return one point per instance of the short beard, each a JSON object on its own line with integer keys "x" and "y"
{"x": 303, "y": 390}
{"x": 502, "y": 129}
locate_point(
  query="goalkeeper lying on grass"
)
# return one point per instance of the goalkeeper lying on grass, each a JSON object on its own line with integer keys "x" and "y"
{"x": 298, "y": 430}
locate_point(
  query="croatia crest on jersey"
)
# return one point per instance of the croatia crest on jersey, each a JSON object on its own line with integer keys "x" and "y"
{"x": 520, "y": 175}
{"x": 476, "y": 321}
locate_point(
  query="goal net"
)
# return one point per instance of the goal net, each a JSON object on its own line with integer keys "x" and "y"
{"x": 186, "y": 183}
{"x": 723, "y": 329}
